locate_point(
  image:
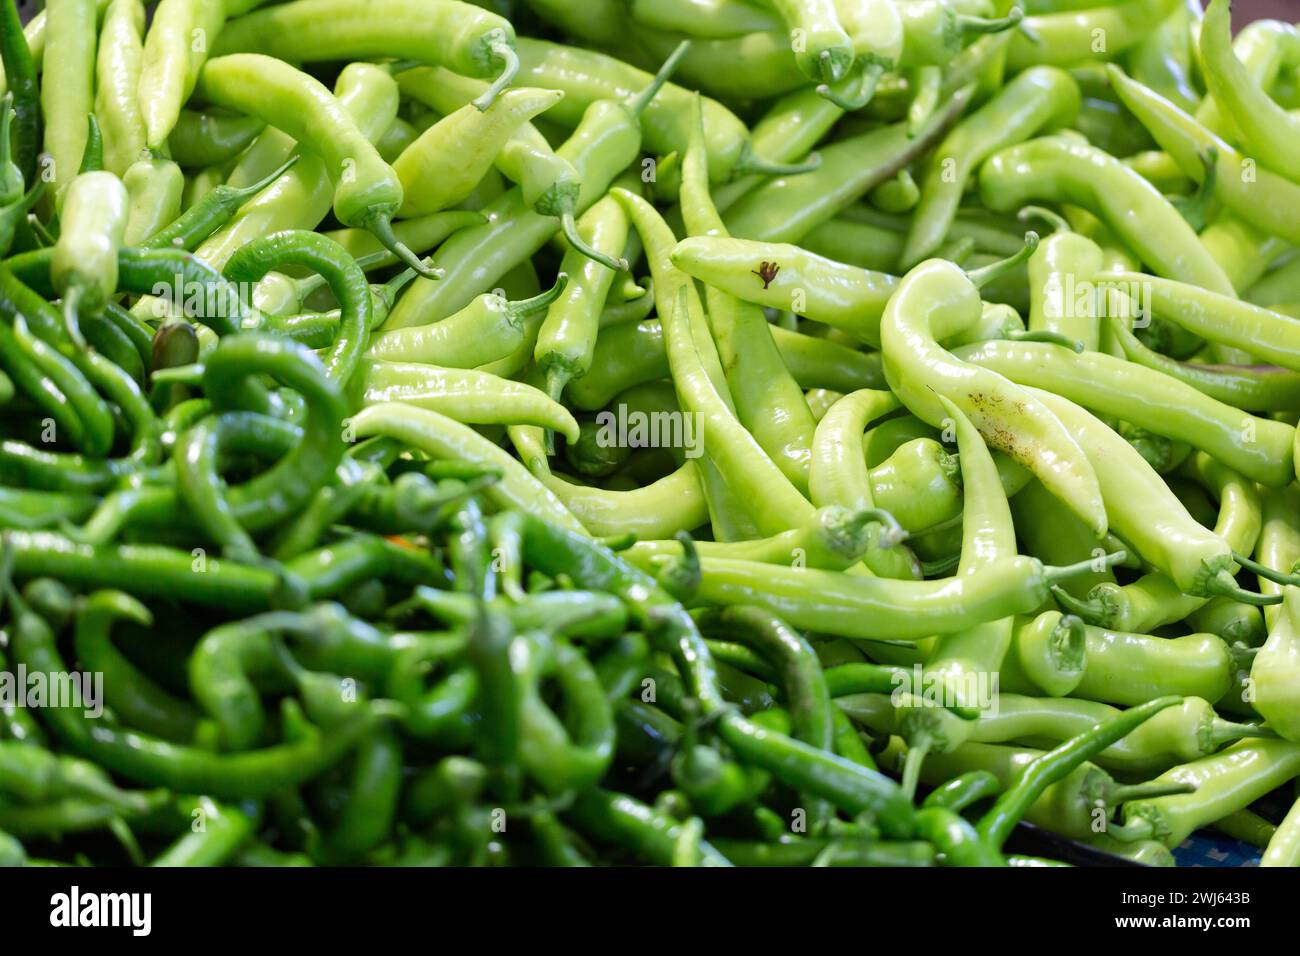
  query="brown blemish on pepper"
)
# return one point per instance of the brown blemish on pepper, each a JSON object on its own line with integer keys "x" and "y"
{"x": 767, "y": 272}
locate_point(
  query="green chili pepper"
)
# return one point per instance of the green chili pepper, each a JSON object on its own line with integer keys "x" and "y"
{"x": 209, "y": 139}
{"x": 21, "y": 83}
{"x": 458, "y": 36}
{"x": 1257, "y": 447}
{"x": 1225, "y": 782}
{"x": 445, "y": 163}
{"x": 1051, "y": 767}
{"x": 367, "y": 192}
{"x": 67, "y": 89}
{"x": 1254, "y": 193}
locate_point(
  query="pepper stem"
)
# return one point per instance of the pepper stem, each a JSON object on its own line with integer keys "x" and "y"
{"x": 868, "y": 79}
{"x": 70, "y": 317}
{"x": 1047, "y": 336}
{"x": 1242, "y": 657}
{"x": 1049, "y": 216}
{"x": 1197, "y": 207}
{"x": 752, "y": 164}
{"x": 995, "y": 270}
{"x": 1124, "y": 793}
{"x": 241, "y": 194}
{"x": 1087, "y": 610}
{"x": 92, "y": 155}
{"x": 891, "y": 532}
{"x": 1264, "y": 571}
{"x": 540, "y": 301}
{"x": 681, "y": 576}
{"x": 1224, "y": 585}
{"x": 557, "y": 377}
{"x": 570, "y": 227}
{"x": 1227, "y": 731}
{"x": 505, "y": 52}
{"x": 917, "y": 750}
{"x": 970, "y": 24}
{"x": 618, "y": 542}
{"x": 1095, "y": 565}
{"x": 639, "y": 101}
{"x": 1130, "y": 832}
{"x": 380, "y": 225}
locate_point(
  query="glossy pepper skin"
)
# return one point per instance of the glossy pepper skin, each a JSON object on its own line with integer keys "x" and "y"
{"x": 460, "y": 36}
{"x": 1226, "y": 781}
{"x": 1058, "y": 169}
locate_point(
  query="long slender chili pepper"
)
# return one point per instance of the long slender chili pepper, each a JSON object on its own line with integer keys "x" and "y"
{"x": 460, "y": 36}
{"x": 1040, "y": 97}
{"x": 343, "y": 276}
{"x": 996, "y": 825}
{"x": 211, "y": 212}
{"x": 20, "y": 78}
{"x": 1257, "y": 447}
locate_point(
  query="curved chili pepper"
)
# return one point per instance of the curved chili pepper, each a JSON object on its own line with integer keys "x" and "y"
{"x": 469, "y": 40}
{"x": 367, "y": 192}
{"x": 1224, "y": 782}
{"x": 134, "y": 697}
{"x": 1150, "y": 401}
{"x": 1040, "y": 773}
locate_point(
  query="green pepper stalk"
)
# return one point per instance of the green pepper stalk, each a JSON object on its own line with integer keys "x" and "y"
{"x": 826, "y": 52}
{"x": 1216, "y": 317}
{"x": 934, "y": 31}
{"x": 1252, "y": 388}
{"x": 876, "y": 30}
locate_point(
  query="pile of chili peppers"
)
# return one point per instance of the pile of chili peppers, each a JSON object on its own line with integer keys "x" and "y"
{"x": 674, "y": 432}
